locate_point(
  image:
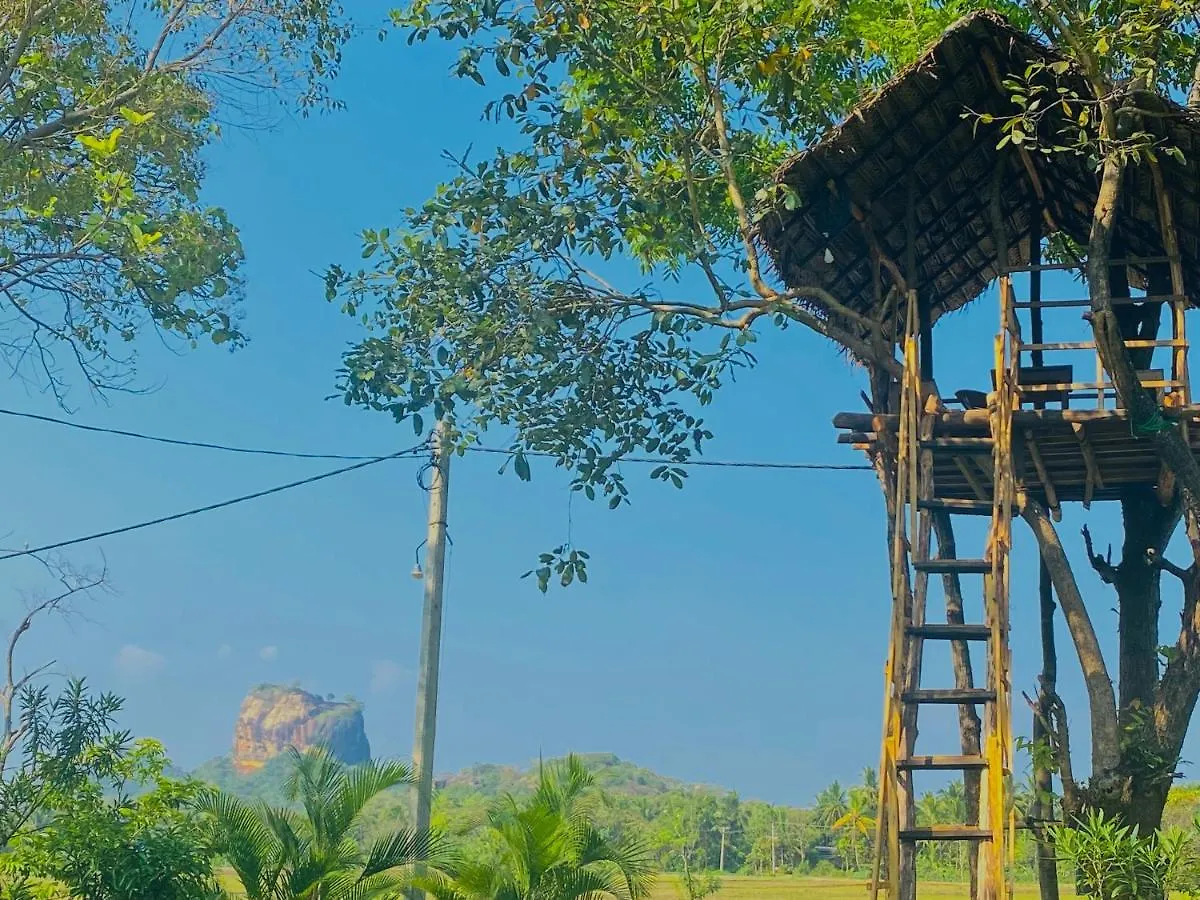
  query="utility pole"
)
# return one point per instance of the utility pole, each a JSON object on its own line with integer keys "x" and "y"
{"x": 721, "y": 866}
{"x": 772, "y": 843}
{"x": 431, "y": 632}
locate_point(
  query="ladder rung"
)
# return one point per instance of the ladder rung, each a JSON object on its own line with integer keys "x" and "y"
{"x": 954, "y": 566}
{"x": 950, "y": 695}
{"x": 946, "y": 833}
{"x": 940, "y": 632}
{"x": 961, "y": 507}
{"x": 942, "y": 762}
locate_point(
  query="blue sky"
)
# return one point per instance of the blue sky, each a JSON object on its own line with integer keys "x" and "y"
{"x": 732, "y": 633}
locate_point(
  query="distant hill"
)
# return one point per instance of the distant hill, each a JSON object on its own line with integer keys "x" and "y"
{"x": 613, "y": 775}
{"x": 265, "y": 784}
{"x": 486, "y": 780}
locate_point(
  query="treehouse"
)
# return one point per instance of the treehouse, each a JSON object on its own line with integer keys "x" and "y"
{"x": 913, "y": 208}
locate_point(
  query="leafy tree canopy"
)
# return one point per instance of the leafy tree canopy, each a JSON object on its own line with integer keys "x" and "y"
{"x": 130, "y": 834}
{"x": 105, "y": 109}
{"x": 590, "y": 288}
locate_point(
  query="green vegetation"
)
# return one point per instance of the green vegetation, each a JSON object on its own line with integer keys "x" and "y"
{"x": 127, "y": 831}
{"x": 281, "y": 854}
{"x": 684, "y": 827}
{"x": 589, "y": 286}
{"x": 107, "y": 109}
{"x": 548, "y": 847}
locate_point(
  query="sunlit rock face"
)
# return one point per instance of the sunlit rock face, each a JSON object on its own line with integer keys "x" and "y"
{"x": 273, "y": 718}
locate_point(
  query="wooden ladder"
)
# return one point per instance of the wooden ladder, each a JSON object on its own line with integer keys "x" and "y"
{"x": 915, "y": 502}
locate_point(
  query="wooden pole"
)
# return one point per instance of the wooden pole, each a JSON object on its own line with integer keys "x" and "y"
{"x": 431, "y": 632}
{"x": 1035, "y": 288}
{"x": 912, "y": 276}
{"x": 1043, "y": 783}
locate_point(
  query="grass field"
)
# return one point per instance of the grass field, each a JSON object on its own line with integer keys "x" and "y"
{"x": 743, "y": 887}
{"x": 750, "y": 888}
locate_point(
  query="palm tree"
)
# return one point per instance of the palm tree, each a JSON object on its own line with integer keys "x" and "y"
{"x": 549, "y": 848}
{"x": 857, "y": 820}
{"x": 281, "y": 854}
{"x": 830, "y": 806}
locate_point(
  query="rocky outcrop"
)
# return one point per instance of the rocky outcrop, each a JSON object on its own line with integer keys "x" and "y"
{"x": 273, "y": 718}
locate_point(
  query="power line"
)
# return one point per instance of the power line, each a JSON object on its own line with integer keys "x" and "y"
{"x": 713, "y": 463}
{"x": 264, "y": 451}
{"x": 412, "y": 451}
{"x": 179, "y": 442}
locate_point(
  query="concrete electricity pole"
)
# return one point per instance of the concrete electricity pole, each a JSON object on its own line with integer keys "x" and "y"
{"x": 431, "y": 630}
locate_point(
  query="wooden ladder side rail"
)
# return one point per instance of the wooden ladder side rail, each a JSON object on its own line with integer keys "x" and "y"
{"x": 994, "y": 881}
{"x": 887, "y": 826}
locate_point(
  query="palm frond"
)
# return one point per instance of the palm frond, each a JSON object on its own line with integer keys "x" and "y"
{"x": 315, "y": 780}
{"x": 357, "y": 786}
{"x": 405, "y": 848}
{"x": 591, "y": 883}
{"x": 244, "y": 839}
{"x": 287, "y": 830}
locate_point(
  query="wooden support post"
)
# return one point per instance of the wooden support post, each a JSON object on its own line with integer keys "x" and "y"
{"x": 1094, "y": 480}
{"x": 1044, "y": 476}
{"x": 969, "y": 473}
{"x": 1170, "y": 239}
{"x": 924, "y": 311}
{"x": 1036, "y": 333}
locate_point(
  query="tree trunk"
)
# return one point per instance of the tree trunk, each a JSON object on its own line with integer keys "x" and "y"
{"x": 1102, "y": 700}
{"x": 1148, "y": 526}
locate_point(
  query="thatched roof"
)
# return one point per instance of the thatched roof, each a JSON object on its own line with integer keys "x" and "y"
{"x": 915, "y": 127}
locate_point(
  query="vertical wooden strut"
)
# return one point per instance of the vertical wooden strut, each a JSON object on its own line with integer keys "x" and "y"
{"x": 887, "y": 824}
{"x": 898, "y": 833}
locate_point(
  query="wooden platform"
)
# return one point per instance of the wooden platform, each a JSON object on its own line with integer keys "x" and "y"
{"x": 1060, "y": 455}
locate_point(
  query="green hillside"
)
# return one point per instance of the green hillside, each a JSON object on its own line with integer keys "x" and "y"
{"x": 484, "y": 781}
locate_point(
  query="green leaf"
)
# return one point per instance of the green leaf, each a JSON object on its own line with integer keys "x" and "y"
{"x": 133, "y": 117}
{"x": 521, "y": 466}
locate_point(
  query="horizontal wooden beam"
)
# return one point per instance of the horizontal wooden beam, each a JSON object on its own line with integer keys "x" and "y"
{"x": 1091, "y": 345}
{"x": 1115, "y": 301}
{"x": 979, "y": 418}
{"x": 1053, "y": 267}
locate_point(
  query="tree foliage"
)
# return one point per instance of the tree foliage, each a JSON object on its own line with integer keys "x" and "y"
{"x": 129, "y": 832}
{"x": 57, "y": 745}
{"x": 592, "y": 287}
{"x": 285, "y": 854}
{"x": 549, "y": 848}
{"x": 105, "y": 111}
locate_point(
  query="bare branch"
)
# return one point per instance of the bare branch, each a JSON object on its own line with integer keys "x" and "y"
{"x": 1102, "y": 564}
{"x": 167, "y": 28}
{"x": 1158, "y": 561}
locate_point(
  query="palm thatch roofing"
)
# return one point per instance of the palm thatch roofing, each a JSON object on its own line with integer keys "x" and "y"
{"x": 917, "y": 153}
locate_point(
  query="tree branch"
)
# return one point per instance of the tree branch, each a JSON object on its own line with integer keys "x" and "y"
{"x": 33, "y": 11}
{"x": 725, "y": 159}
{"x": 1102, "y": 564}
{"x": 1158, "y": 561}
